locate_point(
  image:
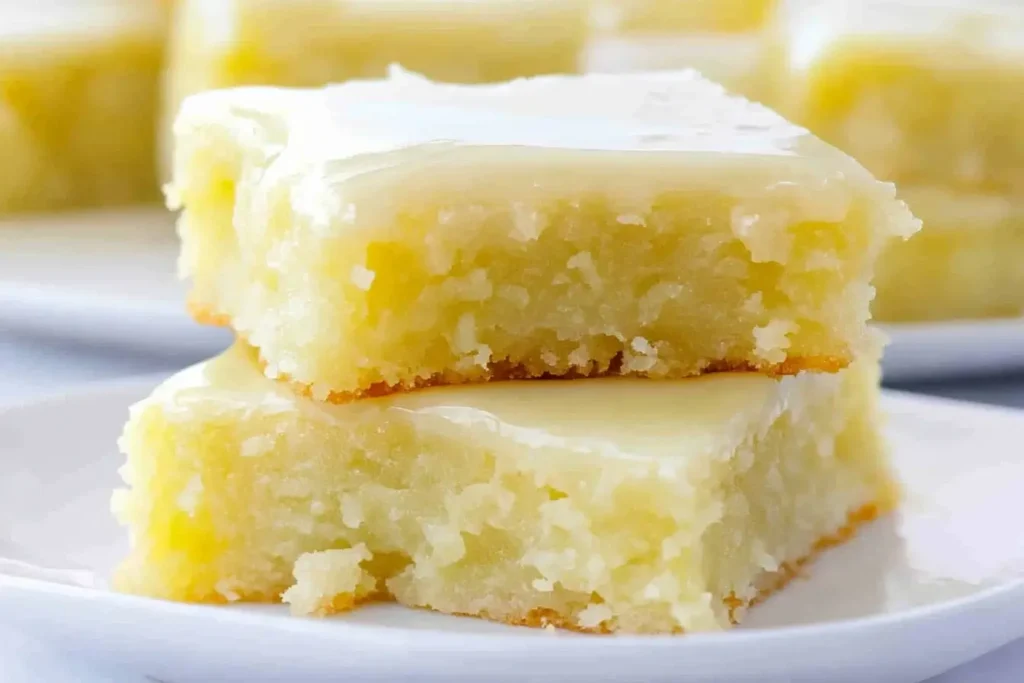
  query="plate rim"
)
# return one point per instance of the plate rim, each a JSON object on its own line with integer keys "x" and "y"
{"x": 522, "y": 638}
{"x": 952, "y": 350}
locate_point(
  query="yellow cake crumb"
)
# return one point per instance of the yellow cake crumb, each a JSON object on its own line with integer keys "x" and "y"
{"x": 330, "y": 581}
{"x": 604, "y": 505}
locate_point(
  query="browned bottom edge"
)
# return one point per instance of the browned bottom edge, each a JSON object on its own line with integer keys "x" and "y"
{"x": 506, "y": 370}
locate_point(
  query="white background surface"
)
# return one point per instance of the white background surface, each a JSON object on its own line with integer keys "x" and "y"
{"x": 129, "y": 296}
{"x": 32, "y": 366}
{"x": 22, "y": 661}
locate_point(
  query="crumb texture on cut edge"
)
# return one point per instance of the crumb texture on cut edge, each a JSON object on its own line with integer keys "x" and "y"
{"x": 332, "y": 582}
{"x": 506, "y": 371}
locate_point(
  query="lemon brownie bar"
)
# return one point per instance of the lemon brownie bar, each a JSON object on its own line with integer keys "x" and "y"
{"x": 225, "y": 43}
{"x": 612, "y": 504}
{"x": 79, "y": 90}
{"x": 380, "y": 235}
{"x": 660, "y": 16}
{"x": 965, "y": 263}
{"x": 925, "y": 93}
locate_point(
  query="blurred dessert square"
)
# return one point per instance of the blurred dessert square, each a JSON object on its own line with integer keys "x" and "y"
{"x": 306, "y": 43}
{"x": 79, "y": 92}
{"x": 689, "y": 16}
{"x": 930, "y": 95}
{"x": 731, "y": 42}
{"x": 223, "y": 43}
{"x": 598, "y": 505}
{"x": 922, "y": 93}
{"x": 967, "y": 262}
{"x": 384, "y": 235}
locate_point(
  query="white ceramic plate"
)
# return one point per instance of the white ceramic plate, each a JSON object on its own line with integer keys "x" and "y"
{"x": 104, "y": 277}
{"x": 912, "y": 596}
{"x": 958, "y": 349}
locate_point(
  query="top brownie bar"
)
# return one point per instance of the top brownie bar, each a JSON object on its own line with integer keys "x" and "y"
{"x": 384, "y": 235}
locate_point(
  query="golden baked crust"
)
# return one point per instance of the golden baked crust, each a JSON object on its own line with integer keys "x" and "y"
{"x": 791, "y": 570}
{"x": 205, "y": 315}
{"x": 504, "y": 370}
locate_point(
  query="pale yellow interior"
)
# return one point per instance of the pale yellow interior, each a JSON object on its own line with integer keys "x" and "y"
{"x": 609, "y": 504}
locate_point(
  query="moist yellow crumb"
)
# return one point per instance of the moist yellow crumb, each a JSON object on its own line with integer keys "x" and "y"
{"x": 330, "y": 581}
{"x": 601, "y": 505}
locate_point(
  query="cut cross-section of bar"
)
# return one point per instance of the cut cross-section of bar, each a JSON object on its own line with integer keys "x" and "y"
{"x": 383, "y": 235}
{"x": 613, "y": 504}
